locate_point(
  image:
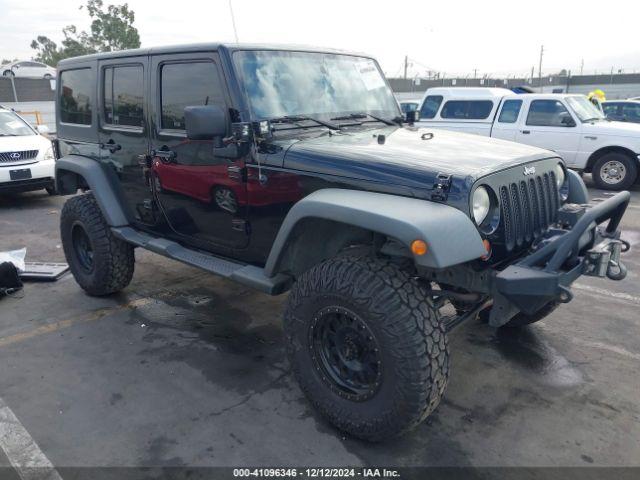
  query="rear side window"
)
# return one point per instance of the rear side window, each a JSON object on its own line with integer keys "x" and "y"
{"x": 547, "y": 113}
{"x": 430, "y": 106}
{"x": 124, "y": 96}
{"x": 75, "y": 96}
{"x": 467, "y": 109}
{"x": 631, "y": 111}
{"x": 510, "y": 111}
{"x": 184, "y": 85}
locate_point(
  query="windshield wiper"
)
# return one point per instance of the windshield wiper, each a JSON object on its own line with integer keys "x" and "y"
{"x": 360, "y": 116}
{"x": 302, "y": 118}
{"x": 592, "y": 119}
{"x": 8, "y": 135}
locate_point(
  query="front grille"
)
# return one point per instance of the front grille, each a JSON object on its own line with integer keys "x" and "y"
{"x": 528, "y": 208}
{"x": 15, "y": 157}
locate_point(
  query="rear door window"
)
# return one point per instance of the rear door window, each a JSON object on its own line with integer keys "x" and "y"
{"x": 76, "y": 88}
{"x": 123, "y": 97}
{"x": 467, "y": 109}
{"x": 430, "y": 106}
{"x": 510, "y": 111}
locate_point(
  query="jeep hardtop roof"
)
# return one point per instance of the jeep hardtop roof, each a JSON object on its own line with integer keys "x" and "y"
{"x": 204, "y": 47}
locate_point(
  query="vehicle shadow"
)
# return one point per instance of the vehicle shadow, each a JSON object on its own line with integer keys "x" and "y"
{"x": 25, "y": 200}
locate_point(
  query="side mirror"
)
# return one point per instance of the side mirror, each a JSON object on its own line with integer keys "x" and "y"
{"x": 411, "y": 117}
{"x": 42, "y": 129}
{"x": 567, "y": 120}
{"x": 207, "y": 122}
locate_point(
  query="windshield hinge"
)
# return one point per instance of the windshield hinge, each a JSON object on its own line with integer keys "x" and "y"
{"x": 441, "y": 187}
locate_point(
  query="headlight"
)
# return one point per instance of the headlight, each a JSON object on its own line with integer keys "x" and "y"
{"x": 560, "y": 176}
{"x": 481, "y": 205}
{"x": 48, "y": 155}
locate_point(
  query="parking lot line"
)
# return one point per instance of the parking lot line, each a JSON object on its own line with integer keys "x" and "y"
{"x": 604, "y": 346}
{"x": 608, "y": 293}
{"x": 22, "y": 451}
{"x": 61, "y": 324}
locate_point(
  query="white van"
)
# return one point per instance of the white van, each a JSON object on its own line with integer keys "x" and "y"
{"x": 568, "y": 124}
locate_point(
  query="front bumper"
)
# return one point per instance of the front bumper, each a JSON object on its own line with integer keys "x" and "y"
{"x": 582, "y": 247}
{"x": 42, "y": 176}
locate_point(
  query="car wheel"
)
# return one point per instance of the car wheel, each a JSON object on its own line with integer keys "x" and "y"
{"x": 101, "y": 263}
{"x": 366, "y": 345}
{"x": 615, "y": 171}
{"x": 225, "y": 199}
{"x": 8, "y": 73}
{"x": 51, "y": 190}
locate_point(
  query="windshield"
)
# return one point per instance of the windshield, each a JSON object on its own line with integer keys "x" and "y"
{"x": 584, "y": 109}
{"x": 321, "y": 85}
{"x": 13, "y": 126}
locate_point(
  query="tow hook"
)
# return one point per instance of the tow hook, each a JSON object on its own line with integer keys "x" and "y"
{"x": 604, "y": 260}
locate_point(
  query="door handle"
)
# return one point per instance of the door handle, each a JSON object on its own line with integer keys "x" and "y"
{"x": 112, "y": 146}
{"x": 526, "y": 132}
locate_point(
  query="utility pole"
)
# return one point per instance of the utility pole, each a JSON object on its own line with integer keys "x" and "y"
{"x": 406, "y": 65}
{"x": 581, "y": 66}
{"x": 532, "y": 73}
{"x": 475, "y": 72}
{"x": 540, "y": 68}
{"x": 233, "y": 21}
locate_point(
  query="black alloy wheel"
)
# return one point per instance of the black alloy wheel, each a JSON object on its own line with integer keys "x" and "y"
{"x": 345, "y": 352}
{"x": 82, "y": 247}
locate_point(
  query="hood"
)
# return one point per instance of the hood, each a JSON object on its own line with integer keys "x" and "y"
{"x": 620, "y": 129}
{"x": 411, "y": 157}
{"x": 25, "y": 142}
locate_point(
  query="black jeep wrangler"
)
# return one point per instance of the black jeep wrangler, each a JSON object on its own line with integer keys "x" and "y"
{"x": 293, "y": 170}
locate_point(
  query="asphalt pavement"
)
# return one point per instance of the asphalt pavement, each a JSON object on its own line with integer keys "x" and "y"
{"x": 186, "y": 369}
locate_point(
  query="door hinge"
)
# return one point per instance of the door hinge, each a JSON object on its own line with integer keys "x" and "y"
{"x": 441, "y": 187}
{"x": 237, "y": 173}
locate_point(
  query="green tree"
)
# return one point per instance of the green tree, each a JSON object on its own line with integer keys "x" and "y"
{"x": 7, "y": 60}
{"x": 111, "y": 29}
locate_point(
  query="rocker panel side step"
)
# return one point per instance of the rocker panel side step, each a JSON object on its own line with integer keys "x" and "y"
{"x": 248, "y": 275}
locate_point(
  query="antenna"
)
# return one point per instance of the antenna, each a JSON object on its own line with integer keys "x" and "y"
{"x": 233, "y": 21}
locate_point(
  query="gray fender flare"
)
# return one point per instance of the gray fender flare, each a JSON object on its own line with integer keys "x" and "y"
{"x": 578, "y": 192}
{"x": 103, "y": 183}
{"x": 451, "y": 236}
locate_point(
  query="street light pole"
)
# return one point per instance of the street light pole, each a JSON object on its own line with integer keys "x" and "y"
{"x": 540, "y": 68}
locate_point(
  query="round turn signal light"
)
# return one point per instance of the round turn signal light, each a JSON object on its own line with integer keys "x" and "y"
{"x": 487, "y": 247}
{"x": 419, "y": 247}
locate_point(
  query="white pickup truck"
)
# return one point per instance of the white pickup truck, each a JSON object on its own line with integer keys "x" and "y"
{"x": 567, "y": 124}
